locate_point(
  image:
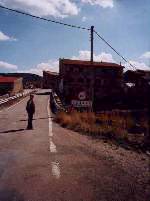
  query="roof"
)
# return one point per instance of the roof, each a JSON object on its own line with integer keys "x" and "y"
{"x": 136, "y": 75}
{"x": 51, "y": 73}
{"x": 143, "y": 71}
{"x": 91, "y": 64}
{"x": 4, "y": 79}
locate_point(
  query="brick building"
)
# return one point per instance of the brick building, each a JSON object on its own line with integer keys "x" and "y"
{"x": 83, "y": 83}
{"x": 10, "y": 85}
{"x": 50, "y": 80}
{"x": 137, "y": 88}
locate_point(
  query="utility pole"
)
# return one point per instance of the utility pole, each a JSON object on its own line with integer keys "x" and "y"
{"x": 93, "y": 74}
{"x": 92, "y": 38}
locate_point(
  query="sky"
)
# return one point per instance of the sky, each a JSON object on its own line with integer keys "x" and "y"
{"x": 31, "y": 45}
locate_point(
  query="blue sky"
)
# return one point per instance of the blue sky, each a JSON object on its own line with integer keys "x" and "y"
{"x": 30, "y": 45}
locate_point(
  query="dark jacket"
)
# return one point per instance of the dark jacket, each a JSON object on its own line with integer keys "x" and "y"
{"x": 30, "y": 107}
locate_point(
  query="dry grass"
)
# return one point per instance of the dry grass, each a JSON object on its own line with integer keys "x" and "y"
{"x": 110, "y": 125}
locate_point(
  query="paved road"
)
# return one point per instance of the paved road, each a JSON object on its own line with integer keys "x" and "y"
{"x": 51, "y": 163}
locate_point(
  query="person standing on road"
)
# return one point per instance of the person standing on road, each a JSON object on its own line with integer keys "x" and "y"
{"x": 30, "y": 108}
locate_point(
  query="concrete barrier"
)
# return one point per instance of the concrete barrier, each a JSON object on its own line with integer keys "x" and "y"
{"x": 7, "y": 100}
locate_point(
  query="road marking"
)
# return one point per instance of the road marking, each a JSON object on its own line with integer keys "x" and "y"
{"x": 50, "y": 126}
{"x": 55, "y": 170}
{"x": 52, "y": 147}
{"x": 27, "y": 92}
{"x": 12, "y": 106}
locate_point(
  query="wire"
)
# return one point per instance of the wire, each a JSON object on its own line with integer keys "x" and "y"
{"x": 45, "y": 19}
{"x": 114, "y": 50}
{"x": 69, "y": 25}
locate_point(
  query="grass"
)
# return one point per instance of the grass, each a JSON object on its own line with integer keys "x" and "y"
{"x": 111, "y": 125}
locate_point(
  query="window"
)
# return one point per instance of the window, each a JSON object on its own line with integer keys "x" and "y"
{"x": 103, "y": 82}
{"x": 99, "y": 70}
{"x": 70, "y": 79}
{"x": 75, "y": 69}
{"x": 81, "y": 80}
{"x": 80, "y": 69}
{"x": 67, "y": 68}
{"x": 88, "y": 81}
{"x": 97, "y": 82}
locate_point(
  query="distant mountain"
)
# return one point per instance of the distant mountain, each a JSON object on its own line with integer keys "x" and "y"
{"x": 28, "y": 79}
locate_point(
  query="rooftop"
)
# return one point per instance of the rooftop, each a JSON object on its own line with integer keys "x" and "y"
{"x": 51, "y": 73}
{"x": 4, "y": 79}
{"x": 143, "y": 71}
{"x": 88, "y": 63}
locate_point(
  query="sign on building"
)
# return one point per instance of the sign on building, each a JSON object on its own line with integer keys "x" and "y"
{"x": 82, "y": 100}
{"x": 77, "y": 103}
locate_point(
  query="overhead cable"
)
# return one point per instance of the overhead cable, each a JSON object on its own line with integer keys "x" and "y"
{"x": 114, "y": 50}
{"x": 68, "y": 25}
{"x": 45, "y": 19}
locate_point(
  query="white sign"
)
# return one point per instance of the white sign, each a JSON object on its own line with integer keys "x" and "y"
{"x": 82, "y": 95}
{"x": 77, "y": 103}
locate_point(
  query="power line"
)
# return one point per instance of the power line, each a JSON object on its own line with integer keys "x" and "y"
{"x": 45, "y": 19}
{"x": 68, "y": 25}
{"x": 114, "y": 50}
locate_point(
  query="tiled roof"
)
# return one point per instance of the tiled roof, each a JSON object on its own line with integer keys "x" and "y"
{"x": 4, "y": 79}
{"x": 88, "y": 63}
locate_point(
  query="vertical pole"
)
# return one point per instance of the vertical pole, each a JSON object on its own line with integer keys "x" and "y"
{"x": 92, "y": 83}
{"x": 92, "y": 38}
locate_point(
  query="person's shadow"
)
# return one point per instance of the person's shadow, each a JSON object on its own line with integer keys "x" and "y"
{"x": 34, "y": 119}
{"x": 12, "y": 131}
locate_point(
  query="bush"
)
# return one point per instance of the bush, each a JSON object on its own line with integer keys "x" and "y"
{"x": 108, "y": 124}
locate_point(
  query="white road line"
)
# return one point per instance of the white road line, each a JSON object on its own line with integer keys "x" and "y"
{"x": 11, "y": 106}
{"x": 50, "y": 122}
{"x": 55, "y": 170}
{"x": 52, "y": 147}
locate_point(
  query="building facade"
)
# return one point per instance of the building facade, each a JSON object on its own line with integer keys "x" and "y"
{"x": 50, "y": 80}
{"x": 83, "y": 83}
{"x": 10, "y": 85}
{"x": 137, "y": 88}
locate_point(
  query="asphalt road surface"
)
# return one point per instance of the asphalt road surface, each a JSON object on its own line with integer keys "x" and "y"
{"x": 51, "y": 163}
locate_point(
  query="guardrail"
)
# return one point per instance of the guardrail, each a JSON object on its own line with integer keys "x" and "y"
{"x": 56, "y": 104}
{"x": 19, "y": 95}
{"x": 4, "y": 96}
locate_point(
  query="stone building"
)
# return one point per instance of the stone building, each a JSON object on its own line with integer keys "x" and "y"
{"x": 84, "y": 84}
{"x": 10, "y": 85}
{"x": 50, "y": 80}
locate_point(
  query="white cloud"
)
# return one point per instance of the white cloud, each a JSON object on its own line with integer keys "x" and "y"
{"x": 51, "y": 65}
{"x": 107, "y": 57}
{"x": 4, "y": 37}
{"x": 5, "y": 65}
{"x": 102, "y": 3}
{"x": 137, "y": 65}
{"x": 85, "y": 55}
{"x": 84, "y": 19}
{"x": 146, "y": 55}
{"x": 55, "y": 8}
